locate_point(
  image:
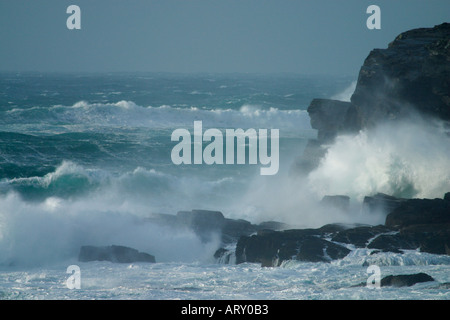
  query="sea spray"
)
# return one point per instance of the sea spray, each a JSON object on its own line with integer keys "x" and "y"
{"x": 346, "y": 94}
{"x": 105, "y": 209}
{"x": 403, "y": 159}
{"x": 54, "y": 230}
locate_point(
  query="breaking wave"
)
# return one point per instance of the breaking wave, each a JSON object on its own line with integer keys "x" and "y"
{"x": 128, "y": 114}
{"x": 407, "y": 159}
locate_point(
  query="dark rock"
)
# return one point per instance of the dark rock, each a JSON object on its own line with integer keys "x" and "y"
{"x": 430, "y": 238}
{"x": 424, "y": 222}
{"x": 113, "y": 253}
{"x": 405, "y": 280}
{"x": 411, "y": 76}
{"x": 413, "y": 73}
{"x": 220, "y": 252}
{"x": 393, "y": 243}
{"x": 419, "y": 211}
{"x": 447, "y": 196}
{"x": 381, "y": 203}
{"x": 223, "y": 255}
{"x": 314, "y": 249}
{"x": 270, "y": 248}
{"x": 360, "y": 236}
{"x": 331, "y": 229}
{"x": 329, "y": 117}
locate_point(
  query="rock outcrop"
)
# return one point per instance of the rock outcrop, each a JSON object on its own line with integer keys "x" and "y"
{"x": 360, "y": 236}
{"x": 405, "y": 280}
{"x": 331, "y": 117}
{"x": 411, "y": 76}
{"x": 419, "y": 211}
{"x": 410, "y": 224}
{"x": 412, "y": 73}
{"x": 271, "y": 248}
{"x": 423, "y": 222}
{"x": 413, "y": 224}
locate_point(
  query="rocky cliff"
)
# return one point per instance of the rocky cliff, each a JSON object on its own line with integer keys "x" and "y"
{"x": 412, "y": 74}
{"x": 410, "y": 77}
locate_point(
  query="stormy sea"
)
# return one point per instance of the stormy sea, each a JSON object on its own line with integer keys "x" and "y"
{"x": 85, "y": 159}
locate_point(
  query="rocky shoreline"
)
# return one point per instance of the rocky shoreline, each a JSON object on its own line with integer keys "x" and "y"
{"x": 410, "y": 78}
{"x": 414, "y": 224}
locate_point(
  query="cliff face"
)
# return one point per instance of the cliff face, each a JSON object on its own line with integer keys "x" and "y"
{"x": 411, "y": 76}
{"x": 412, "y": 73}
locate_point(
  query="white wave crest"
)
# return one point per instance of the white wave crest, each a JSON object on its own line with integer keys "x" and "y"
{"x": 409, "y": 159}
{"x": 129, "y": 114}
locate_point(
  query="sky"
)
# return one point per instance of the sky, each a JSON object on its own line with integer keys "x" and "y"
{"x": 197, "y": 36}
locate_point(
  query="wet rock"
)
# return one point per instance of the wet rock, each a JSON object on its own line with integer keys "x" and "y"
{"x": 314, "y": 249}
{"x": 270, "y": 248}
{"x": 329, "y": 117}
{"x": 393, "y": 243}
{"x": 405, "y": 280}
{"x": 360, "y": 236}
{"x": 410, "y": 77}
{"x": 426, "y": 221}
{"x": 223, "y": 255}
{"x": 331, "y": 229}
{"x": 430, "y": 238}
{"x": 419, "y": 211}
{"x": 411, "y": 74}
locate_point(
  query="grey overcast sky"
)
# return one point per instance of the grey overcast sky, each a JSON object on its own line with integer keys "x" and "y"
{"x": 254, "y": 36}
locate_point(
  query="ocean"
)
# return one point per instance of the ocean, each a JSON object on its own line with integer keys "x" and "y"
{"x": 85, "y": 158}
